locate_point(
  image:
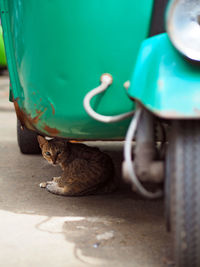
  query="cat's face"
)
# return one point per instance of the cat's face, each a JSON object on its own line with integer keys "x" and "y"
{"x": 53, "y": 151}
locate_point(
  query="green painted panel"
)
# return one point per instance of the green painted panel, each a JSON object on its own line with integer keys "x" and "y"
{"x": 166, "y": 82}
{"x": 57, "y": 51}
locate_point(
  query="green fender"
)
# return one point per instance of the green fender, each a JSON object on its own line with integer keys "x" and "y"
{"x": 164, "y": 81}
{"x": 2, "y": 50}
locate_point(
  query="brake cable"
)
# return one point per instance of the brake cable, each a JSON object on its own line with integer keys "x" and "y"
{"x": 128, "y": 165}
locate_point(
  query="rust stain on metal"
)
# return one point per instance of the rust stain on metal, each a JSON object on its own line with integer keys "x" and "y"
{"x": 53, "y": 109}
{"x": 19, "y": 112}
{"x": 35, "y": 119}
{"x": 52, "y": 131}
{"x": 26, "y": 119}
{"x": 30, "y": 122}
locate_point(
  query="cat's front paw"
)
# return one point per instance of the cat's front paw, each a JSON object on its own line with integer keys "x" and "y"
{"x": 54, "y": 188}
{"x": 43, "y": 185}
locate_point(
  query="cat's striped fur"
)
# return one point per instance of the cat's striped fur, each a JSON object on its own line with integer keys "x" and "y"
{"x": 86, "y": 170}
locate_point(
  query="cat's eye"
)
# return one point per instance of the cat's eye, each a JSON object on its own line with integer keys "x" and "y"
{"x": 48, "y": 153}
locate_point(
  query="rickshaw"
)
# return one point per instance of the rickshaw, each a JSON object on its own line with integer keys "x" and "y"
{"x": 94, "y": 70}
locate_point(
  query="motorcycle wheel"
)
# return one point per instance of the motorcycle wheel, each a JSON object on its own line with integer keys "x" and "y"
{"x": 27, "y": 140}
{"x": 183, "y": 172}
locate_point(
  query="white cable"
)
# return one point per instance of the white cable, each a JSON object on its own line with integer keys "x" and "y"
{"x": 106, "y": 80}
{"x": 128, "y": 166}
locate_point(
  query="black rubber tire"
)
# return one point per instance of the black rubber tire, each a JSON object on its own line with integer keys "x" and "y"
{"x": 167, "y": 187}
{"x": 27, "y": 140}
{"x": 184, "y": 173}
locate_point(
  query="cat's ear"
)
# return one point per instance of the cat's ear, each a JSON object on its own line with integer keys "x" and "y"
{"x": 41, "y": 140}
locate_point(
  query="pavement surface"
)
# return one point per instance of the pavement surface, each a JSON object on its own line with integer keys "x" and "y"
{"x": 36, "y": 227}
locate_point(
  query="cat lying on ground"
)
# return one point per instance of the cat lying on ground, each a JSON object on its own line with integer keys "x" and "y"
{"x": 86, "y": 170}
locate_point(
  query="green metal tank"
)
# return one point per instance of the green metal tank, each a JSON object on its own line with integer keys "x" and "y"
{"x": 56, "y": 52}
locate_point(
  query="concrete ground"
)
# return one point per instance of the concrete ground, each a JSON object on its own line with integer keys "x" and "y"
{"x": 37, "y": 227}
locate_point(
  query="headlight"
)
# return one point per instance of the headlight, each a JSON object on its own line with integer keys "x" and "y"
{"x": 183, "y": 26}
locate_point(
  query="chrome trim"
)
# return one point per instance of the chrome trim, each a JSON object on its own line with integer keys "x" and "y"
{"x": 183, "y": 27}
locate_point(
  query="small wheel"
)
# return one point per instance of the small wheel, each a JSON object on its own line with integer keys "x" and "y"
{"x": 27, "y": 140}
{"x": 183, "y": 179}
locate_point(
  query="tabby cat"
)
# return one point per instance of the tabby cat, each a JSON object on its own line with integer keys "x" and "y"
{"x": 86, "y": 170}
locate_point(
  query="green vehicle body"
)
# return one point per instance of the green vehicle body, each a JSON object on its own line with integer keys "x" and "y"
{"x": 2, "y": 50}
{"x": 56, "y": 53}
{"x": 164, "y": 81}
